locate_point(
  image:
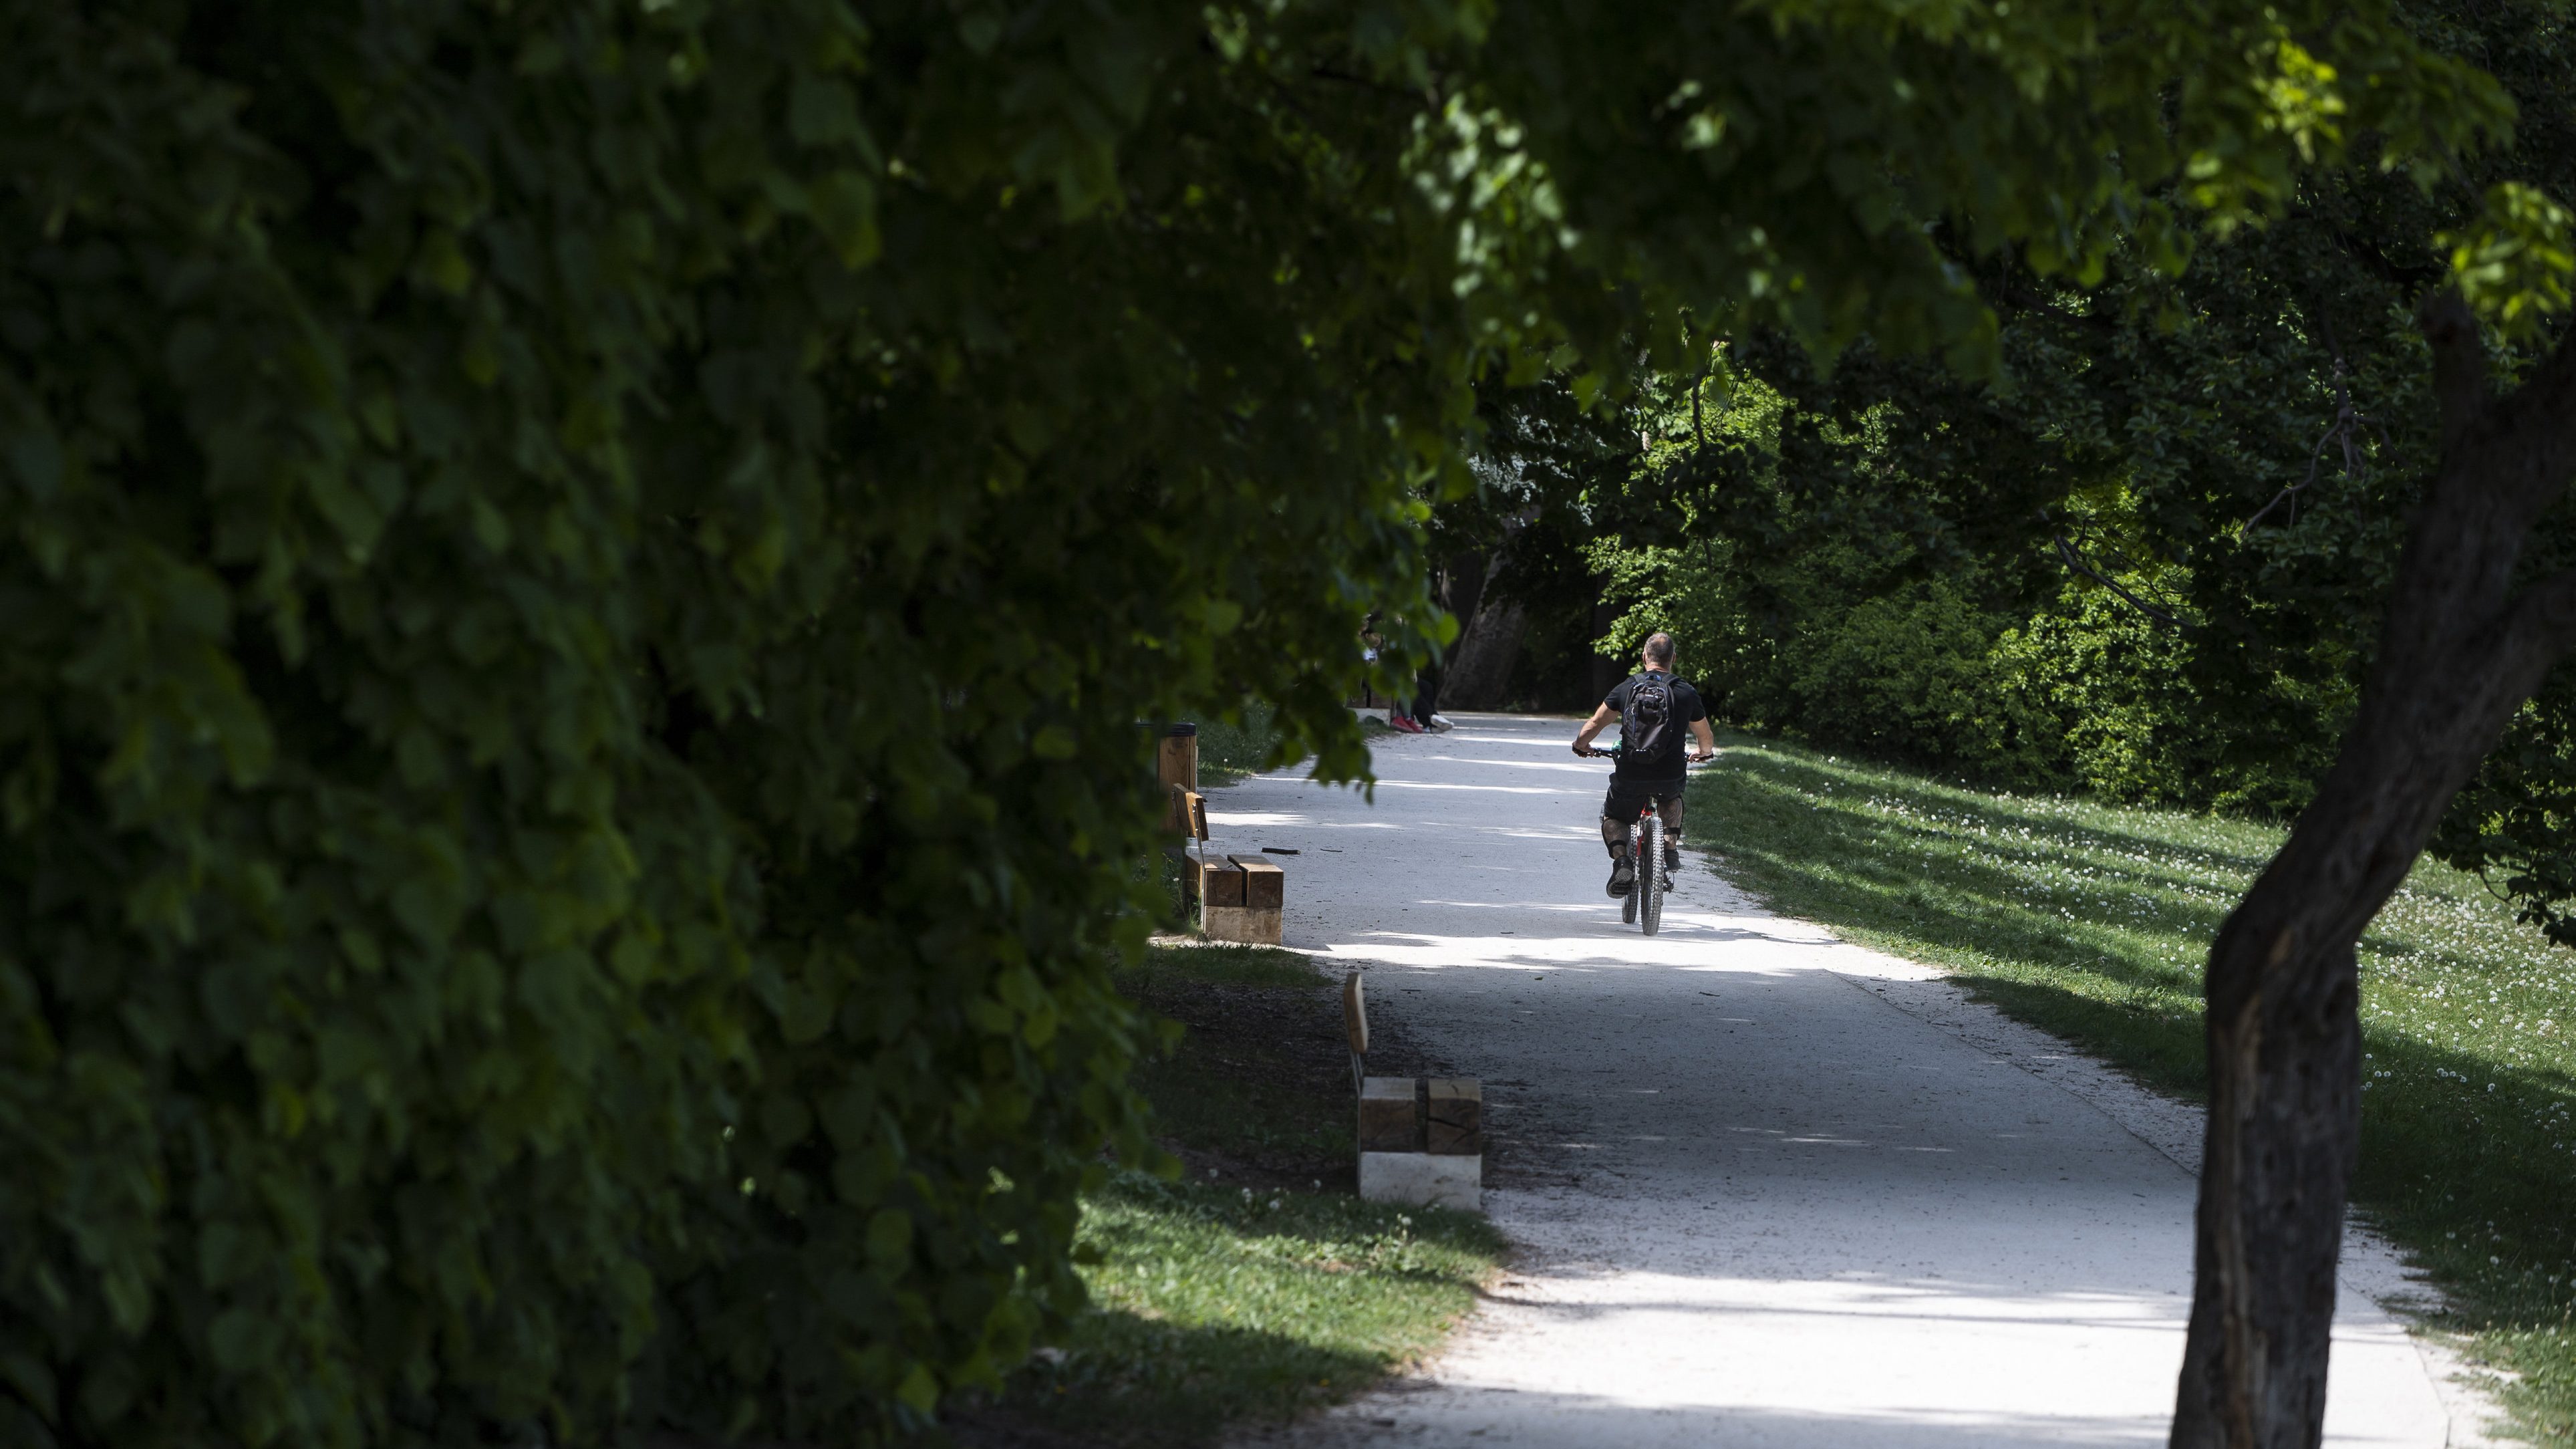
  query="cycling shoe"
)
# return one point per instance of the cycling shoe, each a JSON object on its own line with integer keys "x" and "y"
{"x": 1623, "y": 878}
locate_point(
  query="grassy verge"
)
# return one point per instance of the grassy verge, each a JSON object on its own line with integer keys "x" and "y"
{"x": 1260, "y": 1088}
{"x": 1257, "y": 1285}
{"x": 1232, "y": 753}
{"x": 1229, "y": 752}
{"x": 2092, "y": 921}
{"x": 1215, "y": 1305}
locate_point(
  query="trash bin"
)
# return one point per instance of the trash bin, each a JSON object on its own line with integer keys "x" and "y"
{"x": 1176, "y": 761}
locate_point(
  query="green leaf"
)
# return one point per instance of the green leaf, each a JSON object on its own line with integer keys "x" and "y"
{"x": 2515, "y": 264}
{"x": 920, "y": 1391}
{"x": 889, "y": 1240}
{"x": 845, "y": 207}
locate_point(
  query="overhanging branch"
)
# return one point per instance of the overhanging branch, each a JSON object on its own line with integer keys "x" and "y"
{"x": 2074, "y": 559}
{"x": 2348, "y": 424}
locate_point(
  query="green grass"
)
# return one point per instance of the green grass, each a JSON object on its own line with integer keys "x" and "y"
{"x": 1245, "y": 1094}
{"x": 1230, "y": 752}
{"x": 2092, "y": 921}
{"x": 1218, "y": 1302}
{"x": 1215, "y": 1304}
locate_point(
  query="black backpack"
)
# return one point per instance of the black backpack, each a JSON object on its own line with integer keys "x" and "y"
{"x": 1646, "y": 729}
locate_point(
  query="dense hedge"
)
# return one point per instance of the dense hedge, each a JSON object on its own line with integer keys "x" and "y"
{"x": 2070, "y": 689}
{"x": 534, "y": 838}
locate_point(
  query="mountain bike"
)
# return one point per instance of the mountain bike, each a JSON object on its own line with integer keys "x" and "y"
{"x": 1644, "y": 904}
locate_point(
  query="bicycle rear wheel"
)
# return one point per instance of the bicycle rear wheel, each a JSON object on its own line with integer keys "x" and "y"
{"x": 1650, "y": 875}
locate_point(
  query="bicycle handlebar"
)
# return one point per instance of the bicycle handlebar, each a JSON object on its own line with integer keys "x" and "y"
{"x": 1612, "y": 752}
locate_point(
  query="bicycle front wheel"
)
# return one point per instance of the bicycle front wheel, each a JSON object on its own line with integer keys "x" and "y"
{"x": 1650, "y": 875}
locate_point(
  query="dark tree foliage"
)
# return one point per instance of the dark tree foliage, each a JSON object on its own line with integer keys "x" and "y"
{"x": 1554, "y": 472}
{"x": 2280, "y": 426}
{"x": 2515, "y": 823}
{"x": 581, "y": 581}
{"x": 2222, "y": 464}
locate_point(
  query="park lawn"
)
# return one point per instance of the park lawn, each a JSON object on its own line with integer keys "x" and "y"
{"x": 1255, "y": 1285}
{"x": 2092, "y": 921}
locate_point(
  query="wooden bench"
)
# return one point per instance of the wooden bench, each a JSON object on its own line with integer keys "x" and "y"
{"x": 1242, "y": 899}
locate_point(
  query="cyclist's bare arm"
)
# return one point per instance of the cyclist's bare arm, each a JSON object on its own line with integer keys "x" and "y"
{"x": 1707, "y": 741}
{"x": 1602, "y": 719}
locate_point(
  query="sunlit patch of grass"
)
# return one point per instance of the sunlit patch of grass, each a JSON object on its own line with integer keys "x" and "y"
{"x": 1214, "y": 1305}
{"x": 2093, "y": 921}
{"x": 1222, "y": 963}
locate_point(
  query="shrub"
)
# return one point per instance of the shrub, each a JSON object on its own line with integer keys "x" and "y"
{"x": 2077, "y": 690}
{"x": 1230, "y": 749}
{"x": 1912, "y": 673}
{"x": 571, "y": 776}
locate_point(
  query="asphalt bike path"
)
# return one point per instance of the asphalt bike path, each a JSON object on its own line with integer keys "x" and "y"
{"x": 1766, "y": 1188}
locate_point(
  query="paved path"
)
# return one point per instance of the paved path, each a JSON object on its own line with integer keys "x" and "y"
{"x": 1769, "y": 1189}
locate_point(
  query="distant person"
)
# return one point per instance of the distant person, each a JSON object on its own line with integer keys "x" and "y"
{"x": 1370, "y": 645}
{"x": 1407, "y": 717}
{"x": 1651, "y": 708}
{"x": 1419, "y": 714}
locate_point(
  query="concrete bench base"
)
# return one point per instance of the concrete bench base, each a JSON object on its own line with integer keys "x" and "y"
{"x": 1239, "y": 897}
{"x": 1240, "y": 923}
{"x": 1423, "y": 1178}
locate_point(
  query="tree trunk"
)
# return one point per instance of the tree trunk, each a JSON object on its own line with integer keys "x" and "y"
{"x": 1480, "y": 671}
{"x": 1463, "y": 584}
{"x": 2459, "y": 653}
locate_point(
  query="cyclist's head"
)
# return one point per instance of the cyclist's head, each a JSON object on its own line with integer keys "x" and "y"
{"x": 1659, "y": 651}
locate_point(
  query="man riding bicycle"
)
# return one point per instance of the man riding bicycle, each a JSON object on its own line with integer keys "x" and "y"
{"x": 1651, "y": 708}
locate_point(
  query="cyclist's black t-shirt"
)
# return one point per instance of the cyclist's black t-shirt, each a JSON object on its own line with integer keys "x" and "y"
{"x": 1670, "y": 764}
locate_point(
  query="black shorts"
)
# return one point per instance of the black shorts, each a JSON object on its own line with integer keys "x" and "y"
{"x": 1627, "y": 799}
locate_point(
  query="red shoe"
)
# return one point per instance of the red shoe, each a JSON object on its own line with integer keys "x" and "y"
{"x": 1405, "y": 723}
